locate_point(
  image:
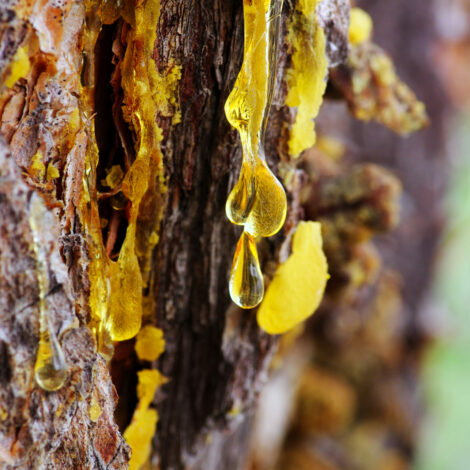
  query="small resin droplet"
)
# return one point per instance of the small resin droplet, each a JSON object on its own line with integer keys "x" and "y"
{"x": 105, "y": 343}
{"x": 94, "y": 410}
{"x": 246, "y": 280}
{"x": 51, "y": 368}
{"x": 258, "y": 200}
{"x": 242, "y": 197}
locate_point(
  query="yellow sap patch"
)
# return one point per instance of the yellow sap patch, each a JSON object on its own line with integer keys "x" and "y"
{"x": 299, "y": 283}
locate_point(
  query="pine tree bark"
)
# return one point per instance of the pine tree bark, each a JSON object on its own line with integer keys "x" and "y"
{"x": 216, "y": 357}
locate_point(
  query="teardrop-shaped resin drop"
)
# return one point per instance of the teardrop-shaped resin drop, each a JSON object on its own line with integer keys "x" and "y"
{"x": 242, "y": 197}
{"x": 51, "y": 368}
{"x": 246, "y": 280}
{"x": 104, "y": 342}
{"x": 268, "y": 212}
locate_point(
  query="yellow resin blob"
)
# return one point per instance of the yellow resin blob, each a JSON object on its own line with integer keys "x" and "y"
{"x": 258, "y": 200}
{"x": 141, "y": 430}
{"x": 298, "y": 285}
{"x": 246, "y": 280}
{"x": 149, "y": 344}
{"x": 360, "y": 26}
{"x": 50, "y": 369}
{"x": 19, "y": 67}
{"x": 306, "y": 79}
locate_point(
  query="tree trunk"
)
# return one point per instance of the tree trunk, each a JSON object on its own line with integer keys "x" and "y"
{"x": 70, "y": 109}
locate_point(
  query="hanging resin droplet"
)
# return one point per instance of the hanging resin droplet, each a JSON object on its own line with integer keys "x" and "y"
{"x": 269, "y": 208}
{"x": 51, "y": 368}
{"x": 258, "y": 200}
{"x": 104, "y": 342}
{"x": 242, "y": 197}
{"x": 246, "y": 280}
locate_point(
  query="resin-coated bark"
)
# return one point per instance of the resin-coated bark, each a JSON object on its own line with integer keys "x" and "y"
{"x": 65, "y": 127}
{"x": 84, "y": 111}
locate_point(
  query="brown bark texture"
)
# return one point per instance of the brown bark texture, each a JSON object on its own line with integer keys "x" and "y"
{"x": 65, "y": 111}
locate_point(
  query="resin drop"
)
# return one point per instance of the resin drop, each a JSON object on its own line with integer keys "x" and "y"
{"x": 299, "y": 283}
{"x": 246, "y": 280}
{"x": 257, "y": 201}
{"x": 242, "y": 197}
{"x": 269, "y": 208}
{"x": 51, "y": 368}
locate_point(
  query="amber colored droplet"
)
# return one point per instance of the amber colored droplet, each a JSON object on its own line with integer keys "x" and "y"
{"x": 242, "y": 197}
{"x": 268, "y": 212}
{"x": 51, "y": 368}
{"x": 105, "y": 343}
{"x": 258, "y": 200}
{"x": 246, "y": 280}
{"x": 94, "y": 411}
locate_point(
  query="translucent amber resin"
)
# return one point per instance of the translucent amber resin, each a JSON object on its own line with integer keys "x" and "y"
{"x": 50, "y": 368}
{"x": 257, "y": 201}
{"x": 246, "y": 281}
{"x": 117, "y": 285}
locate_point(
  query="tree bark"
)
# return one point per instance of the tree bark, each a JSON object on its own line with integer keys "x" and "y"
{"x": 216, "y": 357}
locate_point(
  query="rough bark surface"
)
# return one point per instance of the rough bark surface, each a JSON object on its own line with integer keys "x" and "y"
{"x": 216, "y": 357}
{"x": 38, "y": 429}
